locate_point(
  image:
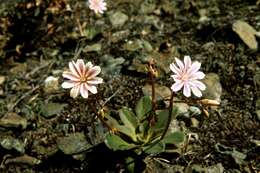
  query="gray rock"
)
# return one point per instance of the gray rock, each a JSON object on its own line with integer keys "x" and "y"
{"x": 12, "y": 120}
{"x": 214, "y": 88}
{"x": 118, "y": 19}
{"x": 12, "y": 143}
{"x": 73, "y": 144}
{"x": 93, "y": 48}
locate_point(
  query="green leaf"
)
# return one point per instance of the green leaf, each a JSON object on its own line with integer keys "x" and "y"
{"x": 174, "y": 138}
{"x": 143, "y": 131}
{"x": 143, "y": 106}
{"x": 115, "y": 143}
{"x": 161, "y": 122}
{"x": 154, "y": 148}
{"x": 128, "y": 118}
{"x": 130, "y": 162}
{"x": 112, "y": 122}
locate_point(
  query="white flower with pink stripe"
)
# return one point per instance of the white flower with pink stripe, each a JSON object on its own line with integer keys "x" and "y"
{"x": 82, "y": 78}
{"x": 98, "y": 6}
{"x": 187, "y": 76}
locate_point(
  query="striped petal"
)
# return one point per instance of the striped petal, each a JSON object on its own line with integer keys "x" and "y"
{"x": 177, "y": 86}
{"x": 175, "y": 69}
{"x": 68, "y": 84}
{"x": 95, "y": 81}
{"x": 74, "y": 92}
{"x": 196, "y": 91}
{"x": 180, "y": 64}
{"x": 92, "y": 89}
{"x": 70, "y": 76}
{"x": 84, "y": 91}
{"x": 73, "y": 68}
{"x": 94, "y": 71}
{"x": 186, "y": 90}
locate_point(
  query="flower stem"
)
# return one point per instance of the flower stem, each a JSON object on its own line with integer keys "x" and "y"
{"x": 169, "y": 117}
{"x": 98, "y": 114}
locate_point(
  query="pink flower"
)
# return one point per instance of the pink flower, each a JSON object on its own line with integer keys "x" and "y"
{"x": 82, "y": 78}
{"x": 186, "y": 76}
{"x": 99, "y": 6}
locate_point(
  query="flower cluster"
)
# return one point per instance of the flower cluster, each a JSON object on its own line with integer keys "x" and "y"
{"x": 186, "y": 76}
{"x": 82, "y": 78}
{"x": 98, "y": 6}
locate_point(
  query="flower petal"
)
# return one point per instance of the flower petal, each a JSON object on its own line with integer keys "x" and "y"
{"x": 73, "y": 69}
{"x": 194, "y": 68}
{"x": 177, "y": 86}
{"x": 187, "y": 62}
{"x": 91, "y": 88}
{"x": 180, "y": 64}
{"x": 74, "y": 92}
{"x": 198, "y": 84}
{"x": 95, "y": 81}
{"x": 70, "y": 76}
{"x": 94, "y": 71}
{"x": 196, "y": 91}
{"x": 175, "y": 69}
{"x": 68, "y": 84}
{"x": 186, "y": 90}
{"x": 176, "y": 78}
{"x": 81, "y": 66}
{"x": 84, "y": 91}
{"x": 199, "y": 75}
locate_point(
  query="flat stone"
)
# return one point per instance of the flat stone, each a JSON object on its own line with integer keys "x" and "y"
{"x": 12, "y": 120}
{"x": 73, "y": 143}
{"x": 213, "y": 87}
{"x": 118, "y": 19}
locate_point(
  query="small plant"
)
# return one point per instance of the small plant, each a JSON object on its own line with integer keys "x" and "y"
{"x": 144, "y": 129}
{"x": 141, "y": 130}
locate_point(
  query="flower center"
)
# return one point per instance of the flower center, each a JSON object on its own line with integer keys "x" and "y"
{"x": 83, "y": 79}
{"x": 185, "y": 77}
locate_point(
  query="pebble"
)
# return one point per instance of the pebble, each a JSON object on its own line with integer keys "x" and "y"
{"x": 51, "y": 84}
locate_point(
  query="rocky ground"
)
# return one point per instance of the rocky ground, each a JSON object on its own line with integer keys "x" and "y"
{"x": 42, "y": 129}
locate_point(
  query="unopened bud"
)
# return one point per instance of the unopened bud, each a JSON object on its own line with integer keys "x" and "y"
{"x": 205, "y": 112}
{"x": 209, "y": 102}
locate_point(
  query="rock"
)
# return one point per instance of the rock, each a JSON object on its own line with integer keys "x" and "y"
{"x": 213, "y": 87}
{"x": 93, "y": 48}
{"x": 2, "y": 80}
{"x": 118, "y": 19}
{"x": 12, "y": 120}
{"x": 182, "y": 109}
{"x": 147, "y": 7}
{"x": 247, "y": 33}
{"x": 194, "y": 110}
{"x": 19, "y": 68}
{"x": 23, "y": 160}
{"x": 218, "y": 168}
{"x": 203, "y": 16}
{"x": 161, "y": 92}
{"x": 258, "y": 115}
{"x": 73, "y": 143}
{"x": 194, "y": 122}
{"x": 50, "y": 110}
{"x": 119, "y": 35}
{"x": 12, "y": 143}
{"x": 111, "y": 65}
{"x": 51, "y": 84}
{"x": 91, "y": 32}
{"x": 133, "y": 45}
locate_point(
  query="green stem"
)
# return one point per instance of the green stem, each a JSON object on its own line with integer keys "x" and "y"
{"x": 99, "y": 115}
{"x": 169, "y": 117}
